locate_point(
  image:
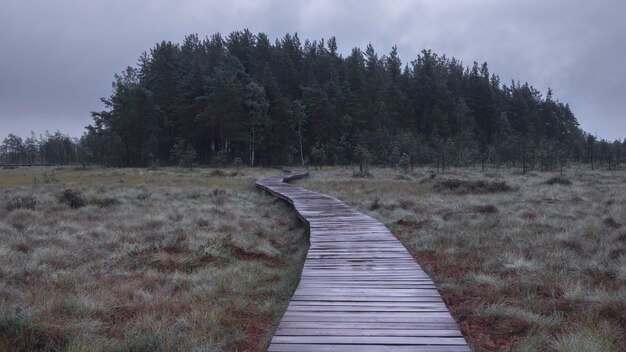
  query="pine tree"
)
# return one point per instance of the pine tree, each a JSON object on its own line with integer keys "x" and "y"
{"x": 297, "y": 121}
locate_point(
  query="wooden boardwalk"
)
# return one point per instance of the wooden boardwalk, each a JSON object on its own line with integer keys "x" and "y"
{"x": 360, "y": 288}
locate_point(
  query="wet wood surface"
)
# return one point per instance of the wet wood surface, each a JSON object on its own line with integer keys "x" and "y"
{"x": 360, "y": 289}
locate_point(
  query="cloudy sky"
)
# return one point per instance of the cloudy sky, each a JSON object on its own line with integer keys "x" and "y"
{"x": 58, "y": 57}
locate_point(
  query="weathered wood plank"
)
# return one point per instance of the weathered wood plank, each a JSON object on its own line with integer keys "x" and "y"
{"x": 367, "y": 332}
{"x": 371, "y": 340}
{"x": 360, "y": 289}
{"x": 366, "y": 325}
{"x": 277, "y": 347}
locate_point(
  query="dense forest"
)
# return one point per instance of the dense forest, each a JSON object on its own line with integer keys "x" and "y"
{"x": 245, "y": 99}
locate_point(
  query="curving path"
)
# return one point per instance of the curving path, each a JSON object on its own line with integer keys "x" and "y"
{"x": 360, "y": 288}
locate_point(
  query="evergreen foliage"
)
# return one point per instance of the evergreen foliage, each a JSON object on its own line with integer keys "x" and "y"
{"x": 241, "y": 96}
{"x": 404, "y": 163}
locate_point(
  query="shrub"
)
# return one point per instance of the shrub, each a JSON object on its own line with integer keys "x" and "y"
{"x": 144, "y": 196}
{"x": 218, "y": 192}
{"x": 375, "y": 204}
{"x": 21, "y": 202}
{"x": 473, "y": 186}
{"x": 485, "y": 209}
{"x": 558, "y": 180}
{"x": 73, "y": 198}
{"x": 404, "y": 163}
{"x": 610, "y": 222}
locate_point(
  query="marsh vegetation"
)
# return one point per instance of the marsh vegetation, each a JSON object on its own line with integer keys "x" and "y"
{"x": 140, "y": 260}
{"x": 166, "y": 259}
{"x": 525, "y": 262}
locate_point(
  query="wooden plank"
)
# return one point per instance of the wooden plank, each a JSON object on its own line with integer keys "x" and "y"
{"x": 343, "y": 309}
{"x": 277, "y": 347}
{"x": 367, "y": 332}
{"x": 371, "y": 340}
{"x": 365, "y": 304}
{"x": 360, "y": 289}
{"x": 366, "y": 325}
{"x": 381, "y": 298}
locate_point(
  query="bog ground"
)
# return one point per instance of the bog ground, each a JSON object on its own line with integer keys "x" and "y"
{"x": 138, "y": 260}
{"x": 525, "y": 262}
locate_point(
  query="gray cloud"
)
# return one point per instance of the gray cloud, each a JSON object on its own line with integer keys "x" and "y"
{"x": 57, "y": 58}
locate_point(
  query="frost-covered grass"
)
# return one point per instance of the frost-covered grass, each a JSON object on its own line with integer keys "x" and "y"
{"x": 535, "y": 266}
{"x": 163, "y": 260}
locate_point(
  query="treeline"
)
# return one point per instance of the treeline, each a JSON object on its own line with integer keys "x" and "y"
{"x": 243, "y": 98}
{"x": 56, "y": 148}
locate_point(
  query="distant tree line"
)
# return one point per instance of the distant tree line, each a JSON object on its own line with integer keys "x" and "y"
{"x": 244, "y": 98}
{"x": 56, "y": 148}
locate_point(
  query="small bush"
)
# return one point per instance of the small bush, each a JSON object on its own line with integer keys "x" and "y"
{"x": 218, "y": 192}
{"x": 406, "y": 204}
{"x": 610, "y": 222}
{"x": 21, "y": 202}
{"x": 375, "y": 204}
{"x": 472, "y": 186}
{"x": 143, "y": 196}
{"x": 529, "y": 215}
{"x": 73, "y": 198}
{"x": 404, "y": 163}
{"x": 558, "y": 180}
{"x": 485, "y": 209}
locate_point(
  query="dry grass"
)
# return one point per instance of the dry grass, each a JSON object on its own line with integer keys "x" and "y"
{"x": 540, "y": 267}
{"x": 163, "y": 260}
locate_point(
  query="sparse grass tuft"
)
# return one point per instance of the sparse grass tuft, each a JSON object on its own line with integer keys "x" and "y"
{"x": 591, "y": 337}
{"x": 610, "y": 222}
{"x": 403, "y": 177}
{"x": 558, "y": 180}
{"x": 364, "y": 174}
{"x": 21, "y": 202}
{"x": 19, "y": 332}
{"x": 485, "y": 209}
{"x": 105, "y": 202}
{"x": 218, "y": 173}
{"x": 472, "y": 186}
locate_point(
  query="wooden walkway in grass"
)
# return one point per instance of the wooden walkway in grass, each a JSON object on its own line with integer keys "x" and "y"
{"x": 360, "y": 288}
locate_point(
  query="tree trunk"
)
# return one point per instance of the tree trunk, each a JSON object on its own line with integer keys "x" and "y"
{"x": 252, "y": 147}
{"x": 300, "y": 140}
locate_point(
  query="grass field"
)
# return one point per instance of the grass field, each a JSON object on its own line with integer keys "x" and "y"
{"x": 533, "y": 262}
{"x": 169, "y": 260}
{"x": 141, "y": 260}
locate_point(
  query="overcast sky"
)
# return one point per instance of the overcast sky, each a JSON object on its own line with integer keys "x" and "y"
{"x": 58, "y": 57}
